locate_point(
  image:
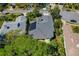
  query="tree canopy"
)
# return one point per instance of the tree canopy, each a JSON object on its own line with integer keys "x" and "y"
{"x": 71, "y": 6}
{"x": 55, "y": 12}
{"x": 22, "y": 5}
{"x": 9, "y": 17}
{"x": 25, "y": 45}
{"x": 4, "y": 6}
{"x": 34, "y": 14}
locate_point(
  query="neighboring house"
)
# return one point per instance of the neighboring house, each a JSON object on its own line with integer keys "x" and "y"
{"x": 70, "y": 16}
{"x": 42, "y": 27}
{"x": 19, "y": 24}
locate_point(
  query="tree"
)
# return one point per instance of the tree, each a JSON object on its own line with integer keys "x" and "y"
{"x": 71, "y": 6}
{"x": 25, "y": 45}
{"x": 11, "y": 36}
{"x": 9, "y": 17}
{"x": 2, "y": 53}
{"x": 1, "y": 8}
{"x": 58, "y": 31}
{"x": 8, "y": 50}
{"x": 4, "y": 6}
{"x": 39, "y": 5}
{"x": 55, "y": 12}
{"x": 22, "y": 5}
{"x": 58, "y": 23}
{"x": 54, "y": 47}
{"x": 34, "y": 14}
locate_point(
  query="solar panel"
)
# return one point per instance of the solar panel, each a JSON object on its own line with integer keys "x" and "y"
{"x": 32, "y": 26}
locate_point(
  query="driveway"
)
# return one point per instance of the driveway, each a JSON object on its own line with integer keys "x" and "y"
{"x": 71, "y": 41}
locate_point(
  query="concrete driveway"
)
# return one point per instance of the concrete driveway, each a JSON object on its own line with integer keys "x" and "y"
{"x": 71, "y": 41}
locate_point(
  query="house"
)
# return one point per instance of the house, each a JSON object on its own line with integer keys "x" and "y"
{"x": 19, "y": 24}
{"x": 42, "y": 27}
{"x": 70, "y": 16}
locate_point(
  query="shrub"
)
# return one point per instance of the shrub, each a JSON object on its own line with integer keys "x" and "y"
{"x": 75, "y": 29}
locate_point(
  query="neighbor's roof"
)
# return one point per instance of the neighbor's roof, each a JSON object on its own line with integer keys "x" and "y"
{"x": 70, "y": 15}
{"x": 44, "y": 28}
{"x": 21, "y": 18}
{"x": 3, "y": 30}
{"x": 44, "y": 11}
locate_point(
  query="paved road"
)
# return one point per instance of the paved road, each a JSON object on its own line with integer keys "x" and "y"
{"x": 71, "y": 41}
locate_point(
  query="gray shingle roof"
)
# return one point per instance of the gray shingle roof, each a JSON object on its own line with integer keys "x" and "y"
{"x": 70, "y": 15}
{"x": 44, "y": 28}
{"x": 13, "y": 25}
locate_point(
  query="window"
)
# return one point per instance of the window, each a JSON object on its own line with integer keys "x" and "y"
{"x": 18, "y": 25}
{"x": 8, "y": 27}
{"x": 32, "y": 26}
{"x": 41, "y": 19}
